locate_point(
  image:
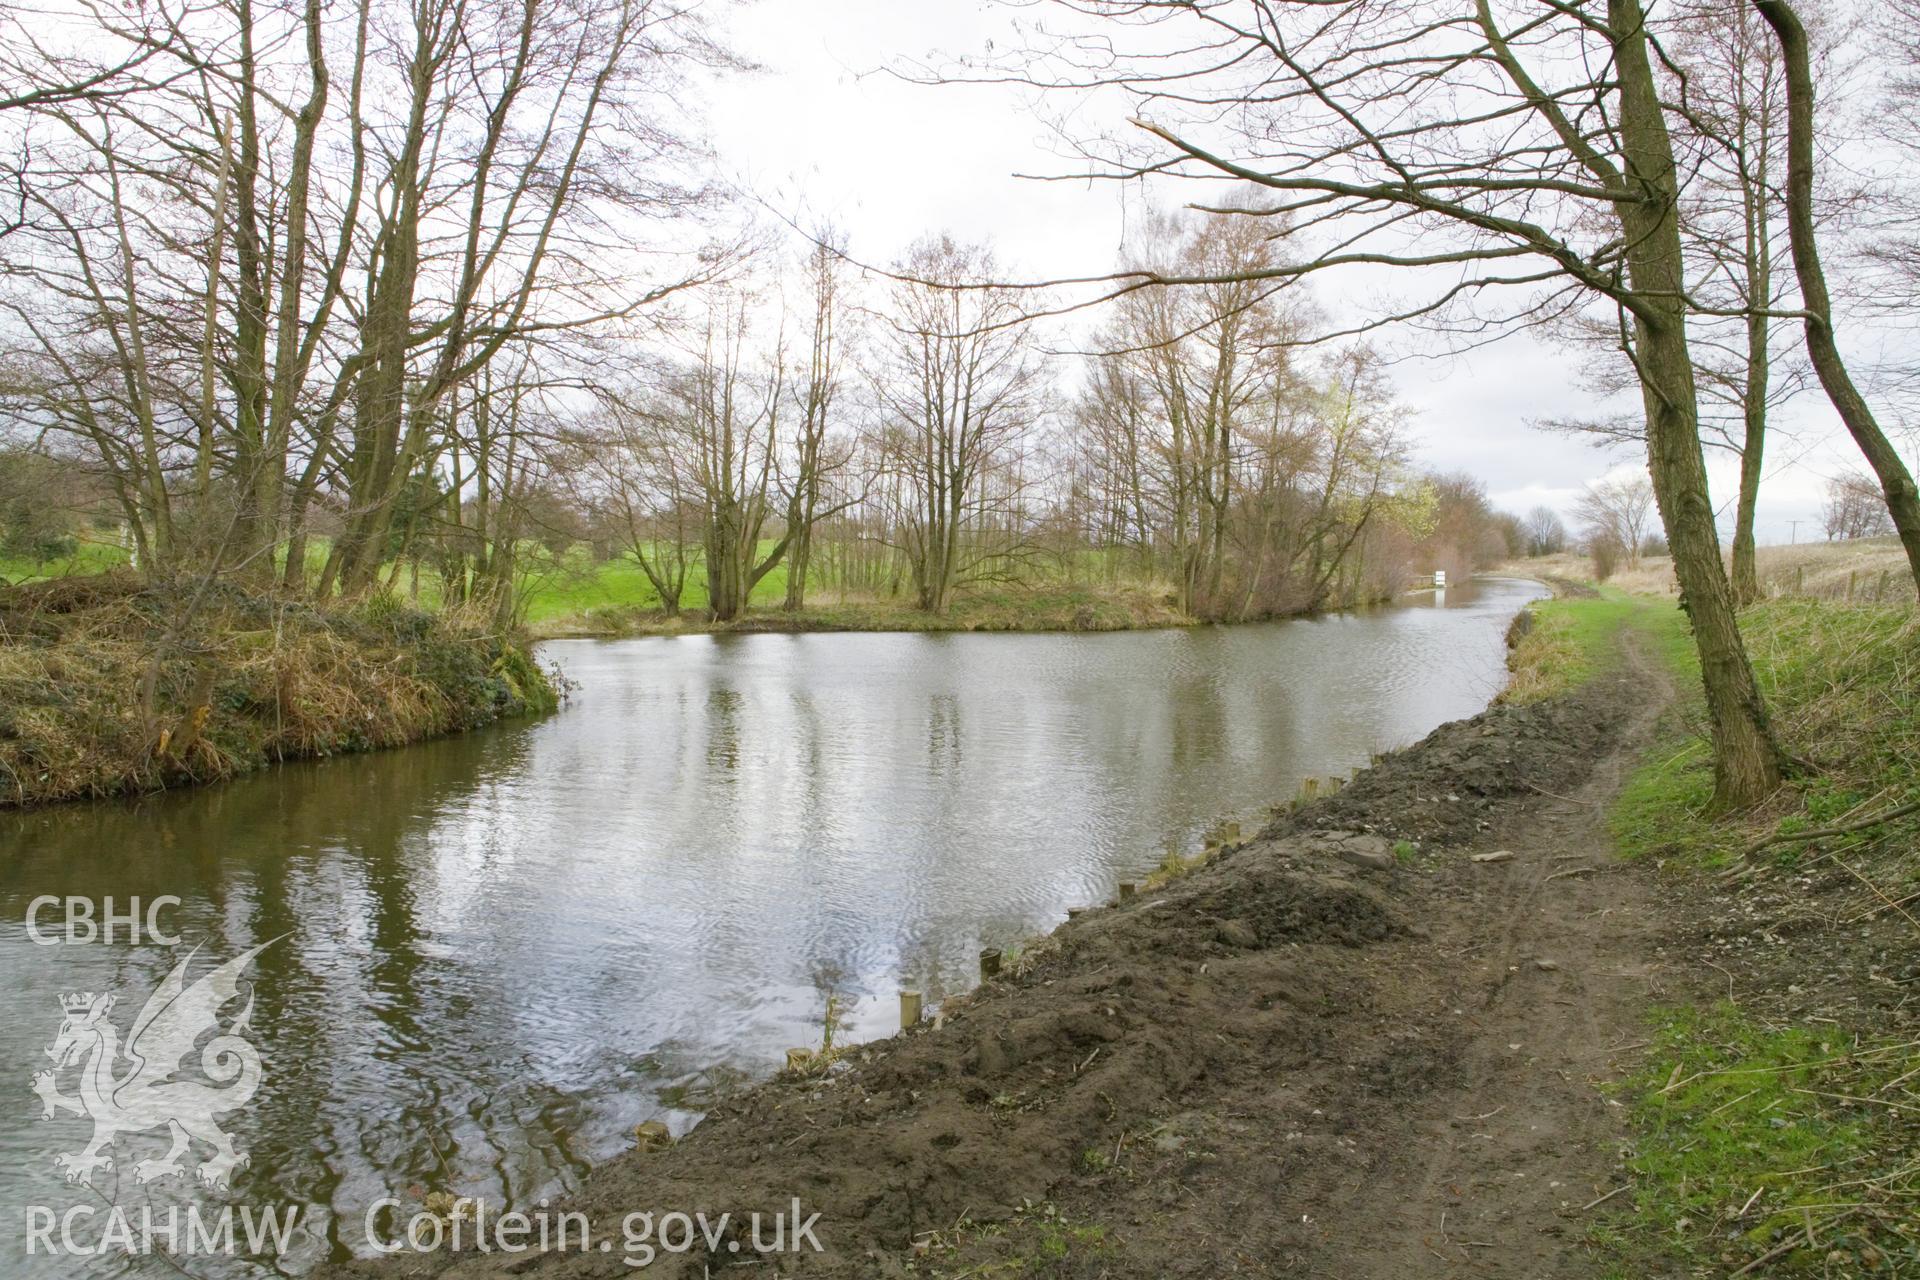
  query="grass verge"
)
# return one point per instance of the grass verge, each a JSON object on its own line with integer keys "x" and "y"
{"x": 1572, "y": 638}
{"x": 1843, "y": 684}
{"x": 1756, "y": 1151}
{"x": 86, "y": 558}
{"x": 1782, "y": 1136}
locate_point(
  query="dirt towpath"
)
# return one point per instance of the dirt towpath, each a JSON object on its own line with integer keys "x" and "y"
{"x": 1549, "y": 962}
{"x": 1320, "y": 1055}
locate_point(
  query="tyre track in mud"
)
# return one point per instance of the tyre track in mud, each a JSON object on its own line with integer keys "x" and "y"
{"x": 1516, "y": 1157}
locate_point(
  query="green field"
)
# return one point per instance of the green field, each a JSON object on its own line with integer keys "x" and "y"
{"x": 92, "y": 557}
{"x": 571, "y": 585}
{"x": 573, "y": 594}
{"x": 575, "y": 586}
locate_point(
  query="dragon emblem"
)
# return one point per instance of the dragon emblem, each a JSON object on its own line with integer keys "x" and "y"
{"x": 147, "y": 1093}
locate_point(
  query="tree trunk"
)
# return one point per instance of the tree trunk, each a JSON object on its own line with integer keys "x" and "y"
{"x": 723, "y": 569}
{"x": 270, "y": 481}
{"x": 1896, "y": 482}
{"x": 1747, "y": 760}
{"x": 799, "y": 561}
{"x": 1746, "y": 572}
{"x": 1753, "y": 444}
{"x": 249, "y": 359}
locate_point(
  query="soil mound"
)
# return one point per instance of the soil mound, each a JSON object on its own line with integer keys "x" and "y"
{"x": 1446, "y": 787}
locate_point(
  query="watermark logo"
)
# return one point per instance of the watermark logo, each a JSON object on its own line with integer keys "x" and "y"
{"x": 188, "y": 1060}
{"x": 79, "y": 923}
{"x": 147, "y": 1082}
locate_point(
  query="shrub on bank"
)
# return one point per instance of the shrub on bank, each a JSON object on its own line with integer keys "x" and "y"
{"x": 112, "y": 685}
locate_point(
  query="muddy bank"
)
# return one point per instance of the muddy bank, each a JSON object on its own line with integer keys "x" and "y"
{"x": 115, "y": 685}
{"x": 1249, "y": 1070}
{"x": 1453, "y": 784}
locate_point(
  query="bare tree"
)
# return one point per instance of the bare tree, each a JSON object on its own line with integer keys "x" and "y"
{"x": 558, "y": 149}
{"x": 1545, "y": 532}
{"x": 1605, "y": 554}
{"x": 1362, "y": 457}
{"x": 1207, "y": 367}
{"x": 1855, "y": 508}
{"x": 483, "y": 504}
{"x": 1896, "y": 481}
{"x": 723, "y": 410}
{"x": 636, "y": 476}
{"x": 1527, "y": 148}
{"x": 1732, "y": 96}
{"x": 817, "y": 456}
{"x": 36, "y": 72}
{"x": 1115, "y": 447}
{"x": 268, "y": 254}
{"x": 1618, "y": 512}
{"x": 959, "y": 385}
{"x": 1724, "y": 79}
{"x": 1897, "y": 112}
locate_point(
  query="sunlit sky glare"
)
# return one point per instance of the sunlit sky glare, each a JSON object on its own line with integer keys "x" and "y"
{"x": 824, "y": 131}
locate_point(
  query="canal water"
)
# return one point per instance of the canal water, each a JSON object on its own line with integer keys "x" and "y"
{"x": 490, "y": 957}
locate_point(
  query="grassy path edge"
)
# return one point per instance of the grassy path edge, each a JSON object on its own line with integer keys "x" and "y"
{"x": 1776, "y": 1128}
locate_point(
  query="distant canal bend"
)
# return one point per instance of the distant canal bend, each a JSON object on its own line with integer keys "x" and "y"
{"x": 497, "y": 954}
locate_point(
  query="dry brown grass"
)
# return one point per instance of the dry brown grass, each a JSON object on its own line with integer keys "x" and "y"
{"x": 1869, "y": 570}
{"x": 1541, "y": 662}
{"x": 111, "y": 685}
{"x": 1652, "y": 576}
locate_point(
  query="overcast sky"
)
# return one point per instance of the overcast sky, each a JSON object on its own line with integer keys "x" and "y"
{"x": 822, "y": 131}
